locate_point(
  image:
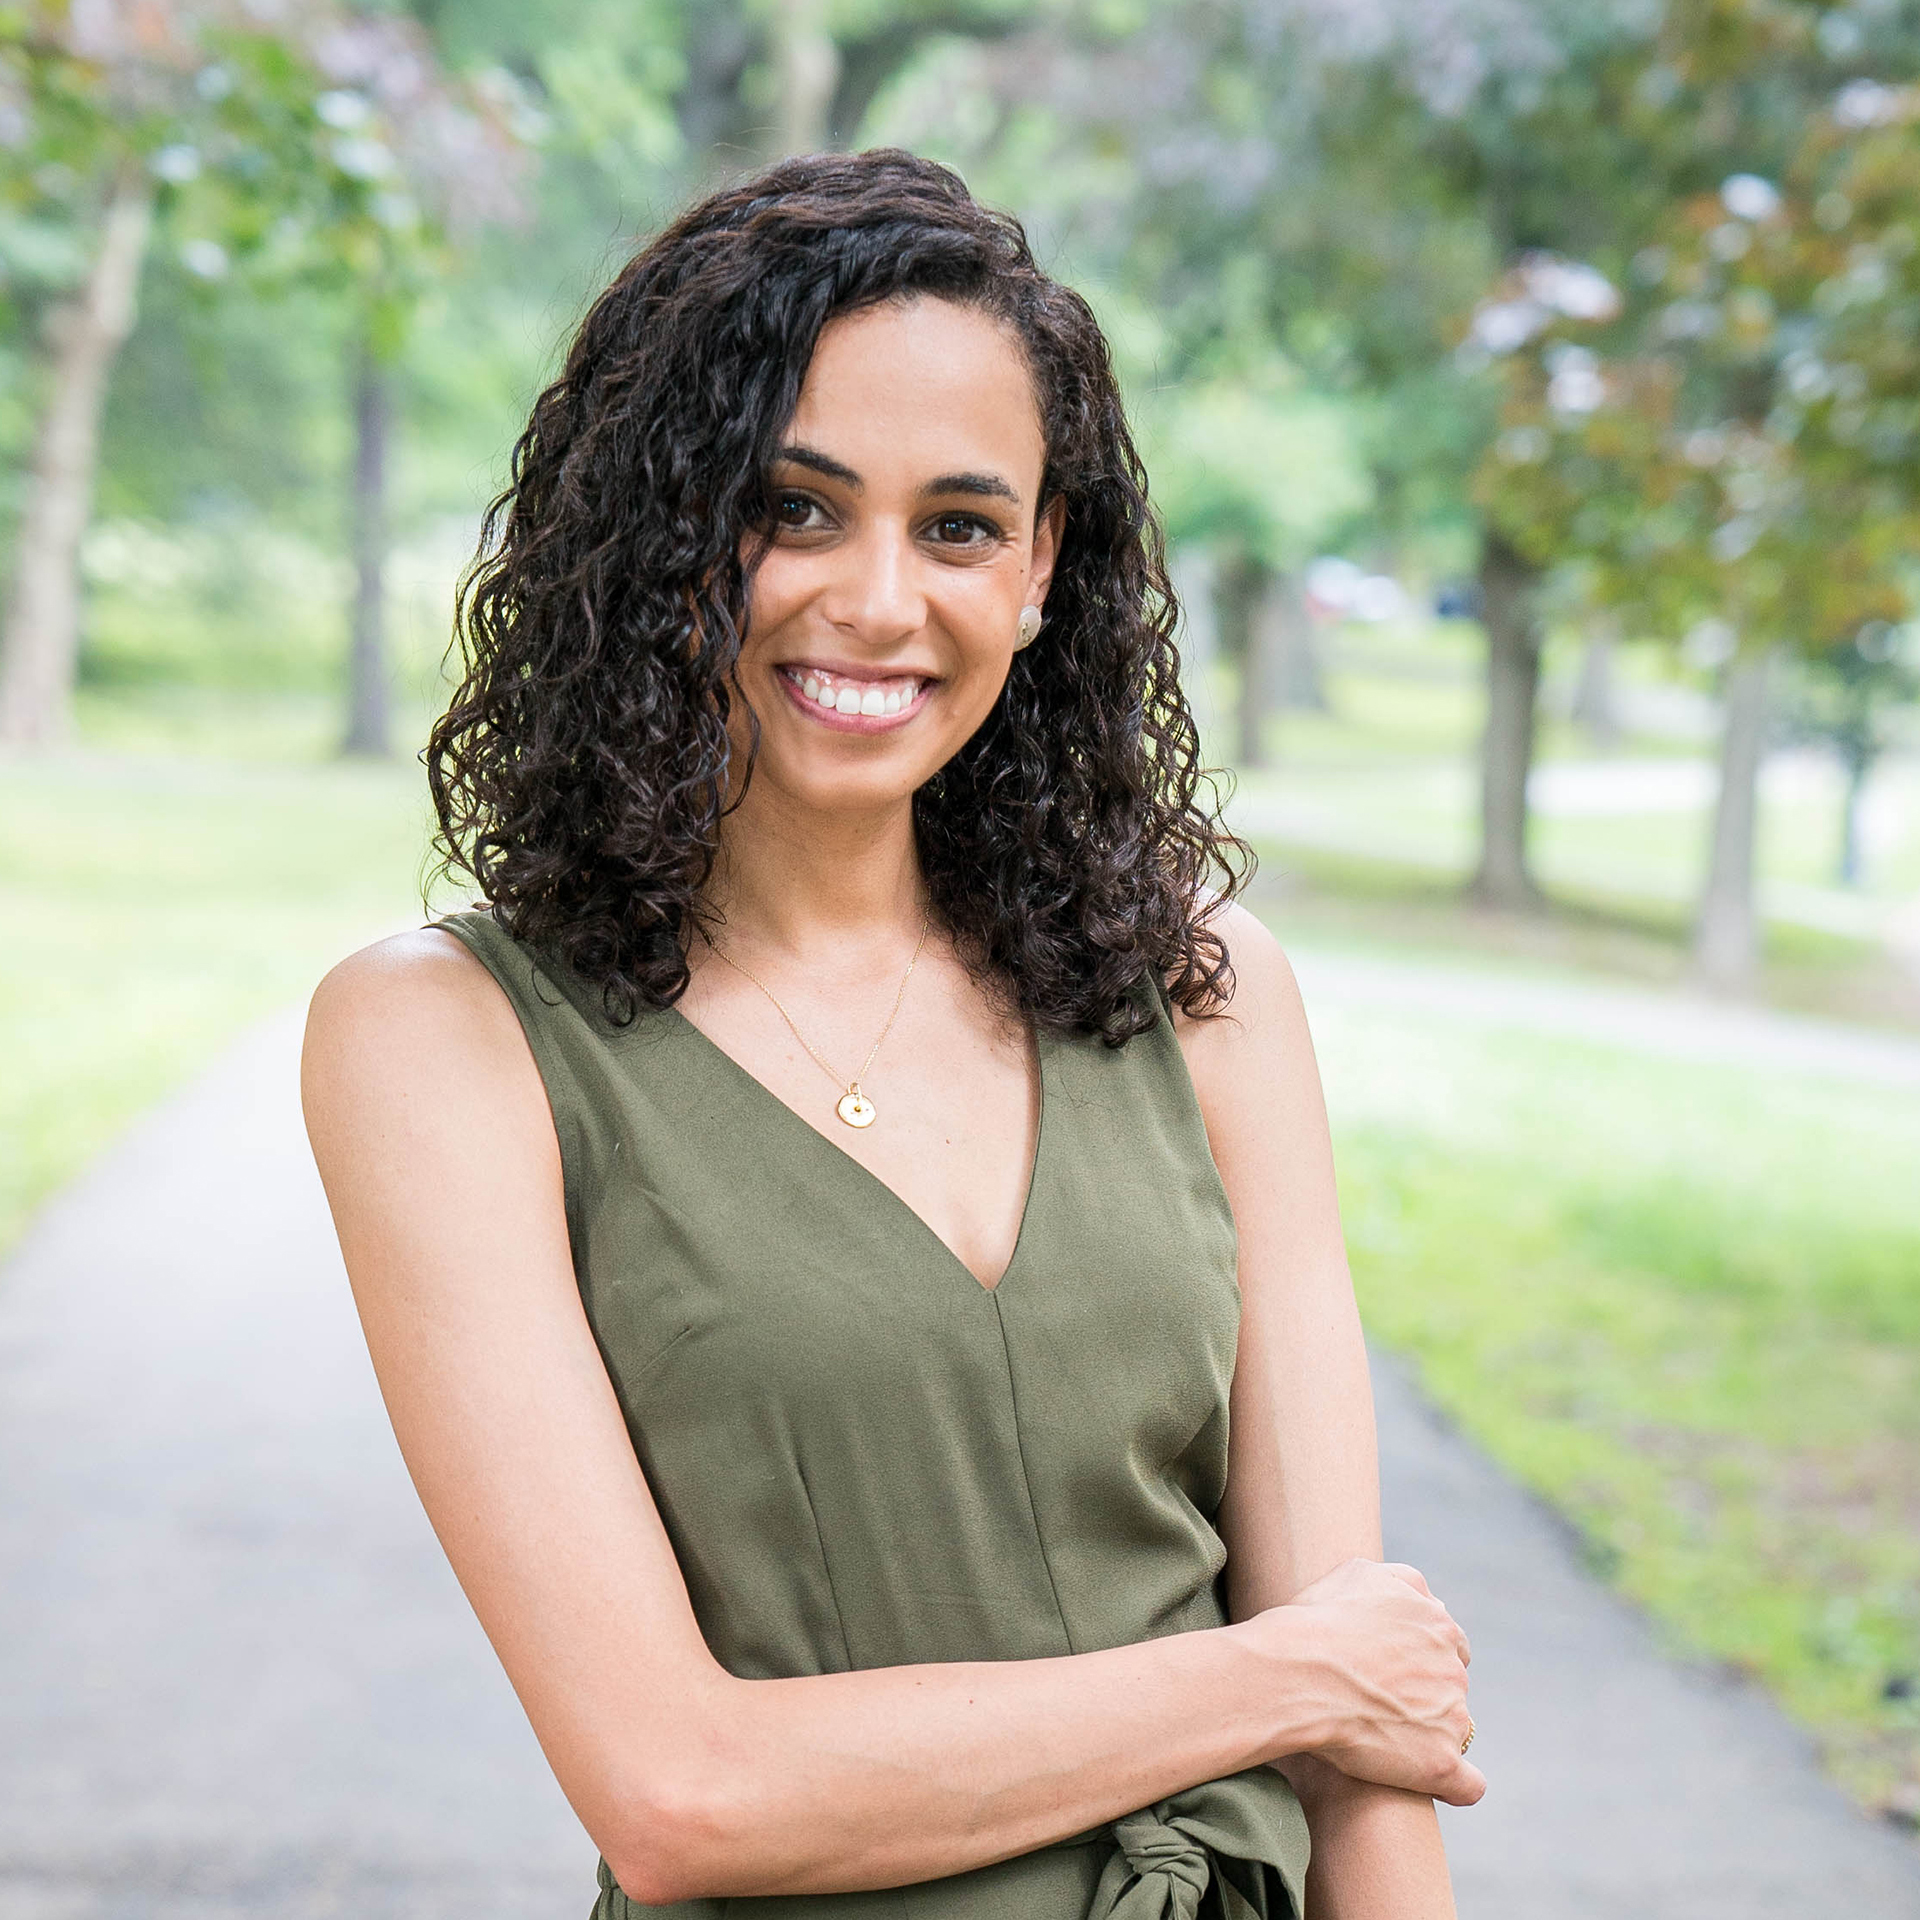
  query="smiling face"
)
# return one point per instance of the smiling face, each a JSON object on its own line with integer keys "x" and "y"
{"x": 883, "y": 616}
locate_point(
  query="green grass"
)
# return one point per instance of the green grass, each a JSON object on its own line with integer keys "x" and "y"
{"x": 1407, "y": 905}
{"x": 1684, "y": 1304}
{"x": 152, "y": 904}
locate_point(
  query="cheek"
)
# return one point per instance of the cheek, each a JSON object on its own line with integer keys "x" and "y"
{"x": 981, "y": 610}
{"x": 778, "y": 590}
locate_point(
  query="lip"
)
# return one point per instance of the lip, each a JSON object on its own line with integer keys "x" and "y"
{"x": 836, "y": 721}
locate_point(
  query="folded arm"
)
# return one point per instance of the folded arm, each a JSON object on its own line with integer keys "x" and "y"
{"x": 437, "y": 1148}
{"x": 1303, "y": 1494}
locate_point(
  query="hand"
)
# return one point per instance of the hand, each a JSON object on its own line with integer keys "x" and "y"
{"x": 1393, "y": 1663}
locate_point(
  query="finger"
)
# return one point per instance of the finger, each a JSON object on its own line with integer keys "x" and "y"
{"x": 1464, "y": 1786}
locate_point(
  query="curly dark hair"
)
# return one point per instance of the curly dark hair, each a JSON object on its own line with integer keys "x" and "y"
{"x": 581, "y": 773}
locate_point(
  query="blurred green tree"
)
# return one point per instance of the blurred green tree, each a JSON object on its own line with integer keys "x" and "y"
{"x": 103, "y": 106}
{"x": 408, "y": 161}
{"x": 1733, "y": 450}
{"x": 666, "y": 97}
{"x": 1258, "y": 471}
{"x": 1370, "y": 164}
{"x": 251, "y": 138}
{"x": 1846, "y": 704}
{"x": 1382, "y": 164}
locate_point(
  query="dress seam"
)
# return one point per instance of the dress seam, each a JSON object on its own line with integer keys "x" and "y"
{"x": 826, "y": 1564}
{"x": 1026, "y": 1473}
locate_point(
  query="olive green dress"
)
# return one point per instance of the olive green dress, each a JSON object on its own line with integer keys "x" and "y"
{"x": 864, "y": 1458}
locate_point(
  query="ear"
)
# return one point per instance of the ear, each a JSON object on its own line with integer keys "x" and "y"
{"x": 1047, "y": 532}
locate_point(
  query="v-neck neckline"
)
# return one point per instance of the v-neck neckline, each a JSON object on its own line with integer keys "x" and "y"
{"x": 866, "y": 1173}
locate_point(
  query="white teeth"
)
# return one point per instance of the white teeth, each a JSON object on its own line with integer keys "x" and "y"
{"x": 873, "y": 700}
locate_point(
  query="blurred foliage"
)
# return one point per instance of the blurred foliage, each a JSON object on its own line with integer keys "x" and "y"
{"x": 320, "y": 153}
{"x": 1735, "y": 440}
{"x": 322, "y": 146}
{"x": 1295, "y": 208}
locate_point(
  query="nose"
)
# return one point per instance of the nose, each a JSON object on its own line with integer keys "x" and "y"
{"x": 876, "y": 595}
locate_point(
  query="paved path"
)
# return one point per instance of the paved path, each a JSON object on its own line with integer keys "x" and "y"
{"x": 1621, "y": 1783}
{"x": 1672, "y": 1026}
{"x": 237, "y": 1679}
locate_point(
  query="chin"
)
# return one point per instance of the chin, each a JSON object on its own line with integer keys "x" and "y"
{"x": 827, "y": 772}
{"x": 821, "y": 783}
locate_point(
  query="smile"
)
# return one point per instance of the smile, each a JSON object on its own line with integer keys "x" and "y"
{"x": 854, "y": 705}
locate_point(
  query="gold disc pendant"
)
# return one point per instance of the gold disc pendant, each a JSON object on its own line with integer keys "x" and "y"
{"x": 855, "y": 1108}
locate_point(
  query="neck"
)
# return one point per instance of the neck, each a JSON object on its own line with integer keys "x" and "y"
{"x": 794, "y": 880}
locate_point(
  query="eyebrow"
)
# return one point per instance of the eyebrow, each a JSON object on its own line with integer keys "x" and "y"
{"x": 824, "y": 464}
{"x": 986, "y": 486}
{"x": 983, "y": 486}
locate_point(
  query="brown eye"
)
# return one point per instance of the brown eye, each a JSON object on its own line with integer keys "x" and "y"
{"x": 792, "y": 510}
{"x": 959, "y": 529}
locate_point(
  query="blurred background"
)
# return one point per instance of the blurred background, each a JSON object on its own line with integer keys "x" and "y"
{"x": 1531, "y": 394}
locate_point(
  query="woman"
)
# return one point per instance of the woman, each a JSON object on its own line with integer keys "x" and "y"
{"x": 810, "y": 1229}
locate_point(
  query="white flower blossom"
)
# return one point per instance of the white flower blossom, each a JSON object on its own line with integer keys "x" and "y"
{"x": 1576, "y": 385}
{"x": 176, "y": 164}
{"x": 1748, "y": 197}
{"x": 363, "y": 159}
{"x": 204, "y": 259}
{"x": 1867, "y": 103}
{"x": 1571, "y": 287}
{"x": 343, "y": 109}
{"x": 1505, "y": 326}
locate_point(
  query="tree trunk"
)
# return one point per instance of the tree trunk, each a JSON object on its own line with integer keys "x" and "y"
{"x": 1240, "y": 583}
{"x": 1859, "y": 766}
{"x": 41, "y": 642}
{"x": 369, "y": 699}
{"x": 1294, "y": 646}
{"x": 807, "y": 68}
{"x": 1507, "y": 611}
{"x": 1595, "y": 705}
{"x": 1726, "y": 934}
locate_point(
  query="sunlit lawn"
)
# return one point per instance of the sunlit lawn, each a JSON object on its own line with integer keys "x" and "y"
{"x": 153, "y": 904}
{"x": 1683, "y": 1303}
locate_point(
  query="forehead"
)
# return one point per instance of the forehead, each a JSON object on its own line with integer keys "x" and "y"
{"x": 922, "y": 386}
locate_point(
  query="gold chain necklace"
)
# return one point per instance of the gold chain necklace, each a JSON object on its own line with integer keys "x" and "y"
{"x": 853, "y": 1106}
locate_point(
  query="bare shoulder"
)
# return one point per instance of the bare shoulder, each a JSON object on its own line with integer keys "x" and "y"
{"x": 411, "y": 1011}
{"x": 413, "y": 972}
{"x": 1258, "y": 1086}
{"x": 423, "y": 976}
{"x": 1263, "y": 1028}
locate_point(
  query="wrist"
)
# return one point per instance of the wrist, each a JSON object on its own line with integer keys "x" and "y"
{"x": 1295, "y": 1677}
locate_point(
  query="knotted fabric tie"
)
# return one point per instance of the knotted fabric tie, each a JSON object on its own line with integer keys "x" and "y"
{"x": 1169, "y": 1854}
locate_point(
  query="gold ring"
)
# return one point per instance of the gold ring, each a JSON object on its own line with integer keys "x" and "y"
{"x": 1471, "y": 1731}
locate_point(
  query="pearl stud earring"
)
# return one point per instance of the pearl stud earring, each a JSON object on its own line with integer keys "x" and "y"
{"x": 1029, "y": 628}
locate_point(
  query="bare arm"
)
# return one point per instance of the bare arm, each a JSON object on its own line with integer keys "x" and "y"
{"x": 1303, "y": 1495}
{"x": 433, "y": 1136}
